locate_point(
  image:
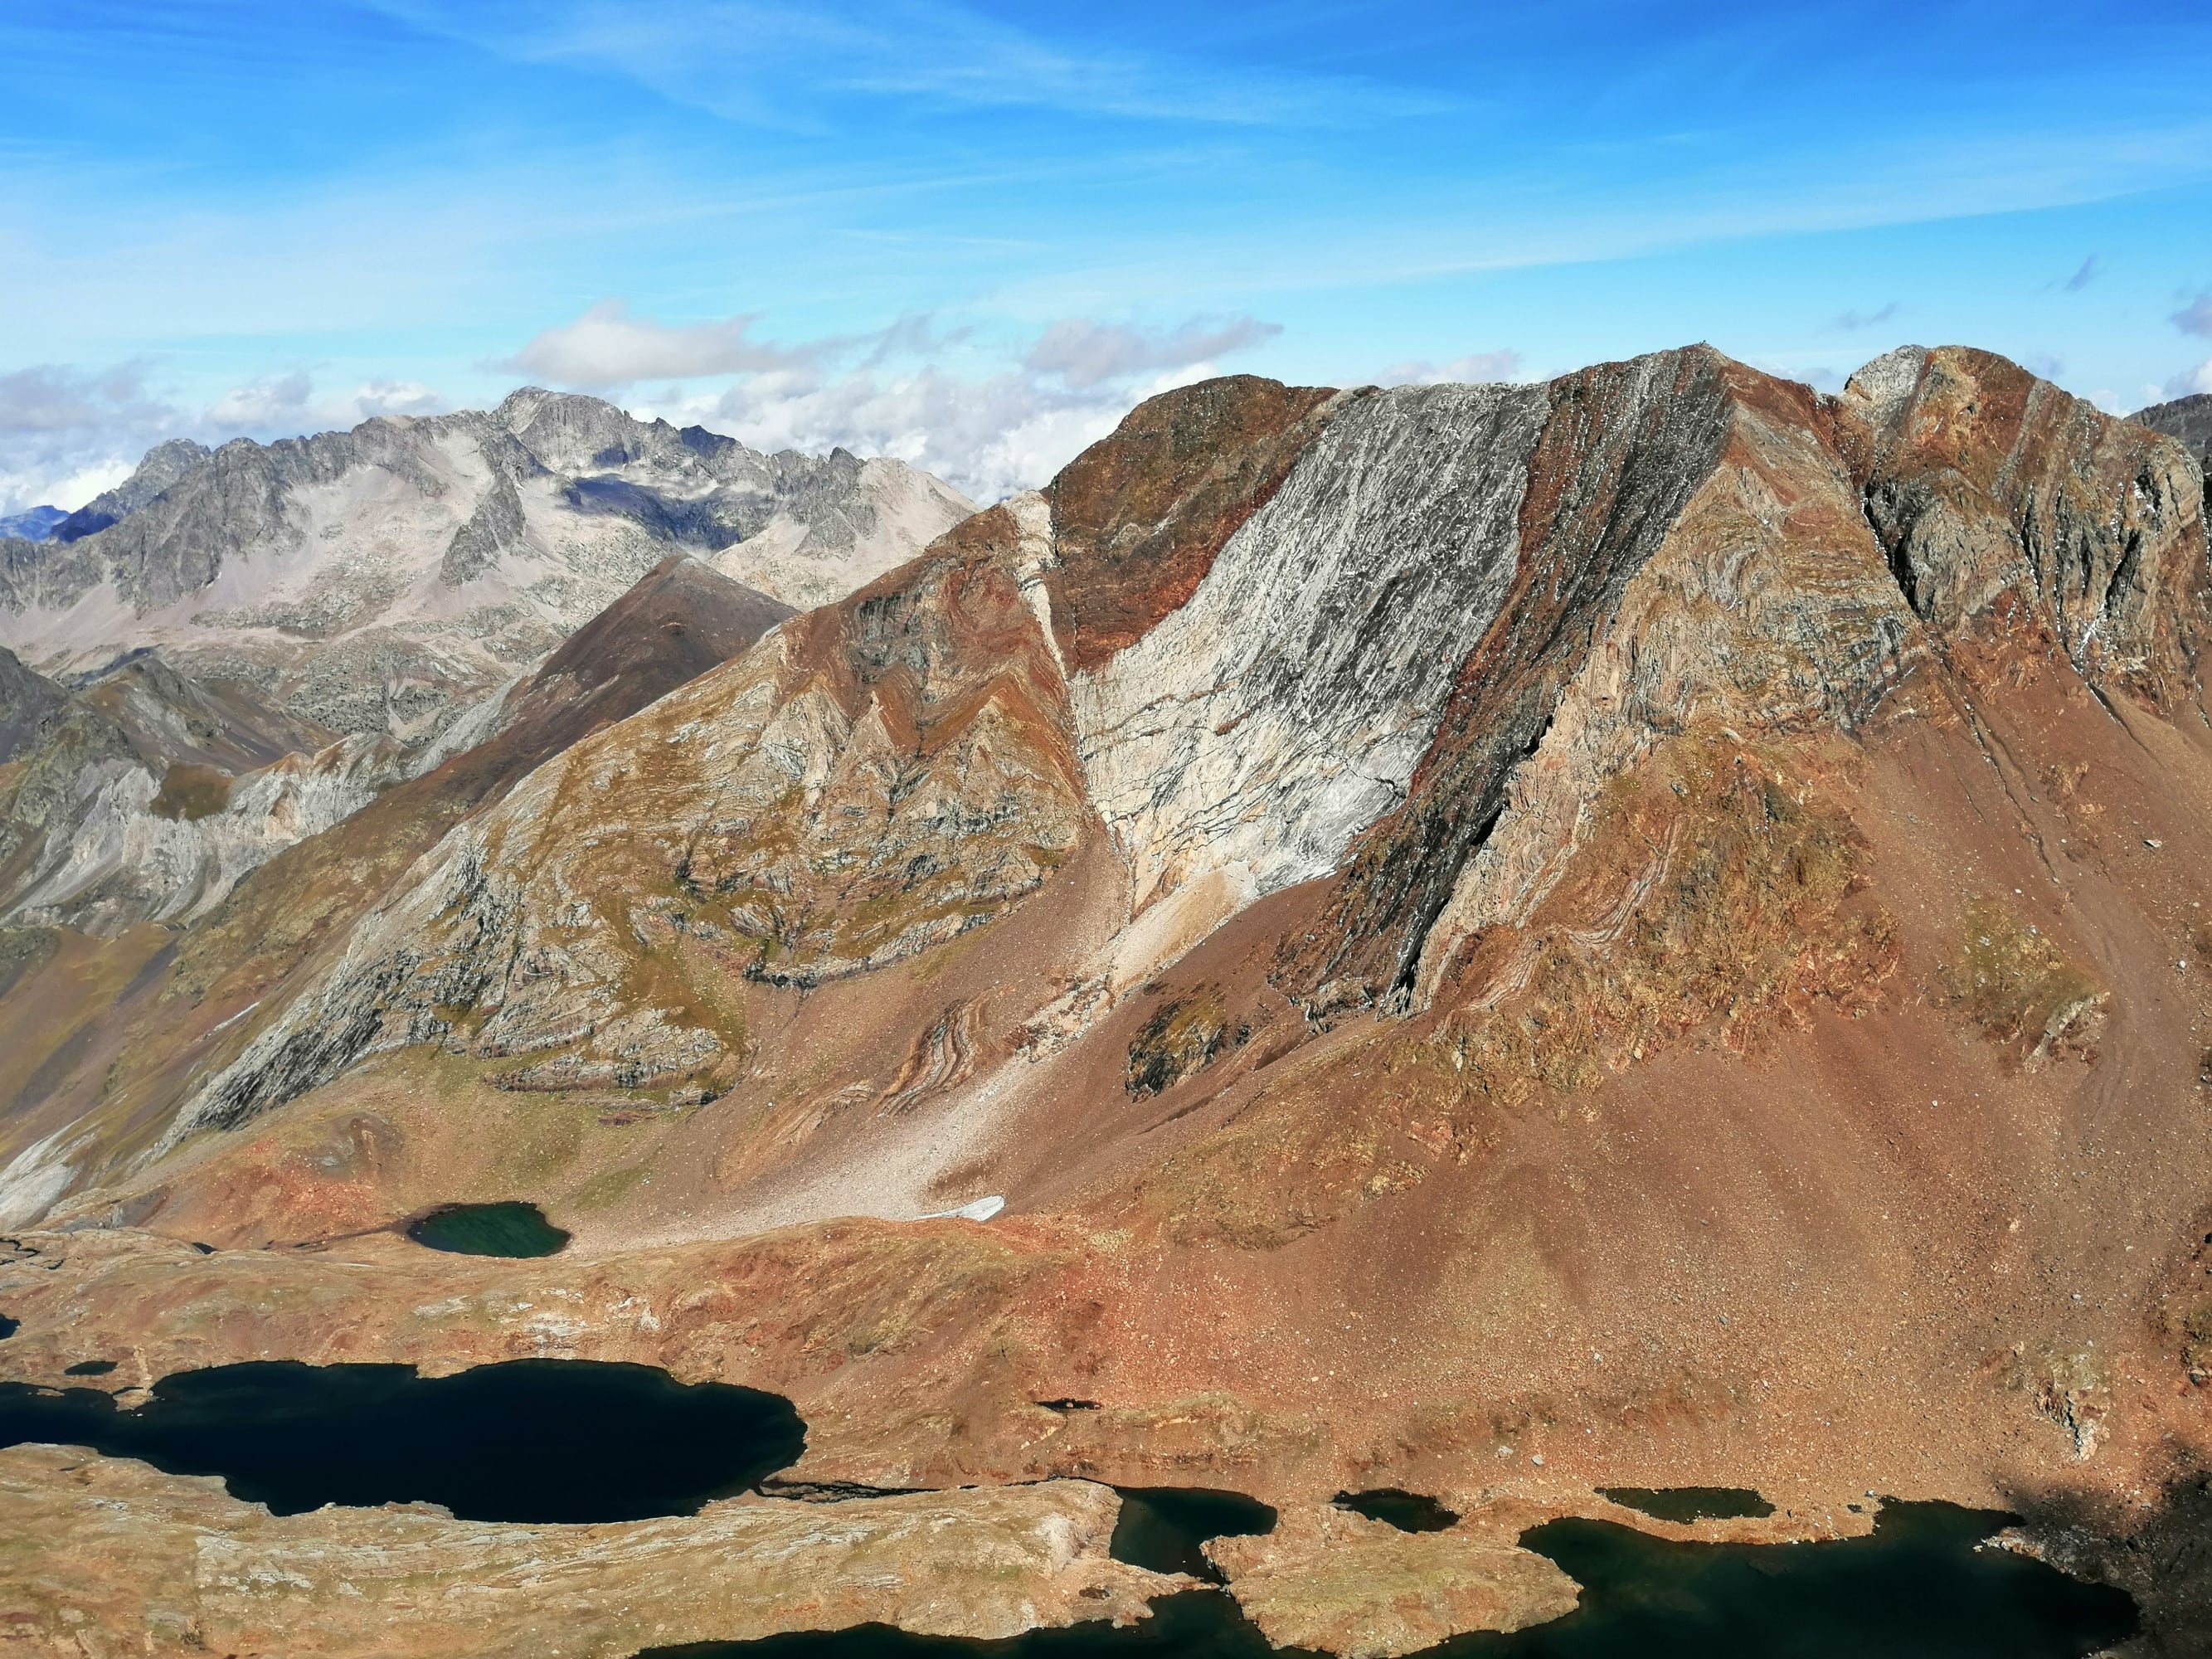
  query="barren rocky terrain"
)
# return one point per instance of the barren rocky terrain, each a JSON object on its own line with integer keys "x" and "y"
{"x": 1649, "y": 930}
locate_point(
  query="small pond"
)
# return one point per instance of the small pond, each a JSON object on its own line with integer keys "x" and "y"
{"x": 1690, "y": 1503}
{"x": 509, "y": 1229}
{"x": 1408, "y": 1511}
{"x": 529, "y": 1440}
{"x": 1163, "y": 1528}
{"x": 1917, "y": 1588}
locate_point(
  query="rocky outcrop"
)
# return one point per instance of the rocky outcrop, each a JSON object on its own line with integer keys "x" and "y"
{"x": 1326, "y": 1579}
{"x": 141, "y": 794}
{"x": 1138, "y": 518}
{"x": 2189, "y": 419}
{"x": 376, "y": 581}
{"x": 1239, "y": 746}
{"x": 1999, "y": 500}
{"x": 101, "y": 1544}
{"x": 163, "y": 465}
{"x": 876, "y": 778}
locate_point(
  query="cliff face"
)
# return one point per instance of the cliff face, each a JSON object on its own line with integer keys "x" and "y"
{"x": 1493, "y": 940}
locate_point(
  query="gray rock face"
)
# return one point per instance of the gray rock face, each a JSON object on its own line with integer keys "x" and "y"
{"x": 1987, "y": 487}
{"x": 376, "y": 581}
{"x": 164, "y": 464}
{"x": 2189, "y": 419}
{"x": 1239, "y": 746}
{"x": 140, "y": 794}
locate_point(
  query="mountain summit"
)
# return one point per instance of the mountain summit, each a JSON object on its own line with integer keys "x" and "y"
{"x": 378, "y": 581}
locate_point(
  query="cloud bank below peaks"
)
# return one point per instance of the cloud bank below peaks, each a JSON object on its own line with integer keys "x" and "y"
{"x": 67, "y": 433}
{"x": 987, "y": 432}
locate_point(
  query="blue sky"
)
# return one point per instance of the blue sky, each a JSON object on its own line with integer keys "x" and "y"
{"x": 974, "y": 233}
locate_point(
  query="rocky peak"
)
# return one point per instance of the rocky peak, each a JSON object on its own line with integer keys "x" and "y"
{"x": 1395, "y": 643}
{"x": 164, "y": 464}
{"x": 1999, "y": 500}
{"x": 379, "y": 579}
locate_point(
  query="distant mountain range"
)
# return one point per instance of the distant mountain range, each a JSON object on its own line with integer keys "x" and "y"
{"x": 378, "y": 581}
{"x": 236, "y": 649}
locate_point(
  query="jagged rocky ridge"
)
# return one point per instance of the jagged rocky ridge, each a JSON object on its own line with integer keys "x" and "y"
{"x": 2189, "y": 419}
{"x": 1392, "y": 641}
{"x": 376, "y": 581}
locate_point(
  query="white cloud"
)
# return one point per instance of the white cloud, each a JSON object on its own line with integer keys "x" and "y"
{"x": 987, "y": 436}
{"x": 60, "y": 425}
{"x": 82, "y": 485}
{"x": 285, "y": 405}
{"x": 1477, "y": 368}
{"x": 67, "y": 433}
{"x": 1086, "y": 353}
{"x": 988, "y": 431}
{"x": 888, "y": 392}
{"x": 606, "y": 348}
{"x": 2191, "y": 381}
{"x": 53, "y": 398}
{"x": 375, "y": 398}
{"x": 280, "y": 400}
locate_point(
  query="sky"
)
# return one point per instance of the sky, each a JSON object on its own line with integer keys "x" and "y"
{"x": 973, "y": 235}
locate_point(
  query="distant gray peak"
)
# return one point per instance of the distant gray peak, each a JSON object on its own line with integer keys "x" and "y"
{"x": 164, "y": 465}
{"x": 2189, "y": 419}
{"x": 35, "y": 524}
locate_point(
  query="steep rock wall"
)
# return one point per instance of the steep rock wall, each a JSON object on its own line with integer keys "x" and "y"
{"x": 1241, "y": 743}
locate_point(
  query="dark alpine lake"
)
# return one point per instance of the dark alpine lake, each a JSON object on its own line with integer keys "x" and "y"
{"x": 1917, "y": 1588}
{"x": 1690, "y": 1503}
{"x": 528, "y": 1440}
{"x": 538, "y": 1440}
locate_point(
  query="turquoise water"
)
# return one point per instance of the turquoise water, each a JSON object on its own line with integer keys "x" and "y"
{"x": 510, "y": 1228}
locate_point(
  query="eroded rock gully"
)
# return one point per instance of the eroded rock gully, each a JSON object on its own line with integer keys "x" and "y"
{"x": 1639, "y": 831}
